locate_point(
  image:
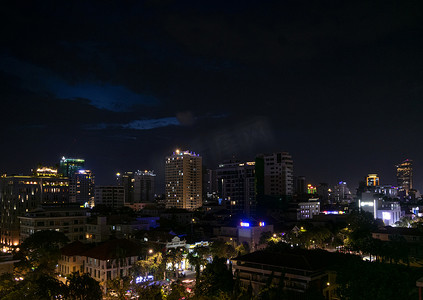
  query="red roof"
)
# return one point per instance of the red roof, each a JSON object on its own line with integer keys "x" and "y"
{"x": 75, "y": 248}
{"x": 112, "y": 249}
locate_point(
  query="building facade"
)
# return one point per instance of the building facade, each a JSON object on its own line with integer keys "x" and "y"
{"x": 21, "y": 194}
{"x": 278, "y": 177}
{"x": 81, "y": 187}
{"x": 372, "y": 180}
{"x": 144, "y": 185}
{"x": 405, "y": 177}
{"x": 109, "y": 260}
{"x": 126, "y": 180}
{"x": 183, "y": 178}
{"x": 111, "y": 196}
{"x": 69, "y": 166}
{"x": 306, "y": 210}
{"x": 69, "y": 220}
{"x": 236, "y": 182}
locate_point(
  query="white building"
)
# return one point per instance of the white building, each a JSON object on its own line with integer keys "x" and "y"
{"x": 109, "y": 260}
{"x": 306, "y": 210}
{"x": 388, "y": 211}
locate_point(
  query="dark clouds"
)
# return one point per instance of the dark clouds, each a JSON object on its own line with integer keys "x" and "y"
{"x": 123, "y": 83}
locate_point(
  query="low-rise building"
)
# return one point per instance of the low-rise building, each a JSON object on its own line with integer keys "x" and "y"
{"x": 120, "y": 226}
{"x": 301, "y": 271}
{"x": 306, "y": 210}
{"x": 108, "y": 260}
{"x": 245, "y": 232}
{"x": 412, "y": 236}
{"x": 70, "y": 220}
{"x": 71, "y": 258}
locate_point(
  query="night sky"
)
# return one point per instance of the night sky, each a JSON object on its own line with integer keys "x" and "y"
{"x": 338, "y": 84}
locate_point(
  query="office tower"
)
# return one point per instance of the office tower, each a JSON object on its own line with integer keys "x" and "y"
{"x": 323, "y": 192}
{"x": 126, "y": 180}
{"x": 405, "y": 177}
{"x": 81, "y": 187}
{"x": 20, "y": 194}
{"x": 236, "y": 183}
{"x": 372, "y": 180}
{"x": 210, "y": 182}
{"x": 144, "y": 186}
{"x": 300, "y": 187}
{"x": 69, "y": 166}
{"x": 111, "y": 196}
{"x": 341, "y": 192}
{"x": 183, "y": 178}
{"x": 278, "y": 170}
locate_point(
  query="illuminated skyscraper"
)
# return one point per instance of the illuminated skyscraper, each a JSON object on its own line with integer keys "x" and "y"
{"x": 183, "y": 178}
{"x": 69, "y": 166}
{"x": 405, "y": 176}
{"x": 372, "y": 180}
{"x": 20, "y": 194}
{"x": 81, "y": 187}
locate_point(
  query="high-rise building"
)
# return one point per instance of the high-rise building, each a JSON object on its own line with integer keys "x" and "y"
{"x": 81, "y": 187}
{"x": 323, "y": 191}
{"x": 20, "y": 194}
{"x": 144, "y": 186}
{"x": 69, "y": 166}
{"x": 210, "y": 182}
{"x": 278, "y": 174}
{"x": 127, "y": 181}
{"x": 342, "y": 193}
{"x": 236, "y": 183}
{"x": 405, "y": 177}
{"x": 372, "y": 180}
{"x": 183, "y": 178}
{"x": 111, "y": 196}
{"x": 300, "y": 187}
{"x": 139, "y": 186}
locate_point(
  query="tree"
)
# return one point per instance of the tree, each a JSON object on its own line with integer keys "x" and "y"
{"x": 265, "y": 237}
{"x": 117, "y": 288}
{"x": 37, "y": 286}
{"x": 40, "y": 252}
{"x": 178, "y": 291}
{"x": 174, "y": 256}
{"x": 215, "y": 279}
{"x": 220, "y": 248}
{"x": 151, "y": 292}
{"x": 360, "y": 280}
{"x": 153, "y": 264}
{"x": 7, "y": 284}
{"x": 83, "y": 287}
{"x": 198, "y": 258}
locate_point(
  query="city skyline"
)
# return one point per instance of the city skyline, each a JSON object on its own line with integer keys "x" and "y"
{"x": 124, "y": 84}
{"x": 160, "y": 187}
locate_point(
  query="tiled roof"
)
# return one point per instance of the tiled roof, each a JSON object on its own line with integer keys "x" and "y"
{"x": 294, "y": 259}
{"x": 114, "y": 249}
{"x": 75, "y": 248}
